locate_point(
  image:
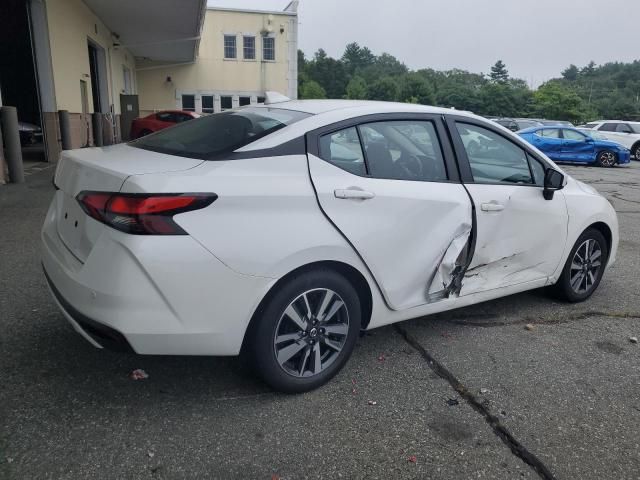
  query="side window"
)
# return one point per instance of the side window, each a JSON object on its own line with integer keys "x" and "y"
{"x": 493, "y": 158}
{"x": 608, "y": 127}
{"x": 343, "y": 150}
{"x": 549, "y": 133}
{"x": 165, "y": 117}
{"x": 403, "y": 150}
{"x": 183, "y": 117}
{"x": 573, "y": 135}
{"x": 624, "y": 128}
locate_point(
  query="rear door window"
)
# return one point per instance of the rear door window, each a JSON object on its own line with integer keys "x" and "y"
{"x": 403, "y": 150}
{"x": 573, "y": 135}
{"x": 392, "y": 150}
{"x": 209, "y": 137}
{"x": 343, "y": 150}
{"x": 549, "y": 133}
{"x": 608, "y": 127}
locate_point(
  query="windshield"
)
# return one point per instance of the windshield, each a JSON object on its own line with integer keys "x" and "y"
{"x": 209, "y": 137}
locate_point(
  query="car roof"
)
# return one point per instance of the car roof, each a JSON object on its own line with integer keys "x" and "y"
{"x": 317, "y": 107}
{"x": 546, "y": 127}
{"x": 327, "y": 112}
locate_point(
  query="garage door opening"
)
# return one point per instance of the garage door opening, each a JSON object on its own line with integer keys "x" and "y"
{"x": 18, "y": 81}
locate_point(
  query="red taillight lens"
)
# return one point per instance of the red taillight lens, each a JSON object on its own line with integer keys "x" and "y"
{"x": 142, "y": 214}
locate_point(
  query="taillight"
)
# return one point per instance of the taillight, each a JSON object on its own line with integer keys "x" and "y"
{"x": 142, "y": 214}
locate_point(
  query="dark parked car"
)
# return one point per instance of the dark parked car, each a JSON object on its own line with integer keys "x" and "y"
{"x": 30, "y": 134}
{"x": 158, "y": 121}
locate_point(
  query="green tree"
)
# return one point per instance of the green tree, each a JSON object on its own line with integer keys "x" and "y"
{"x": 357, "y": 89}
{"x": 356, "y": 58}
{"x": 330, "y": 73}
{"x": 415, "y": 89}
{"x": 571, "y": 74}
{"x": 312, "y": 89}
{"x": 555, "y": 101}
{"x": 499, "y": 73}
{"x": 384, "y": 89}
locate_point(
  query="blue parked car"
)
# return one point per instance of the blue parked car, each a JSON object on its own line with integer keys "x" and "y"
{"x": 563, "y": 144}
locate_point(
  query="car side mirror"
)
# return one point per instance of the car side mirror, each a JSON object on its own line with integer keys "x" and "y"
{"x": 553, "y": 181}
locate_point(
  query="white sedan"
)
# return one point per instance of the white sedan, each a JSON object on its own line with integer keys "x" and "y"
{"x": 281, "y": 231}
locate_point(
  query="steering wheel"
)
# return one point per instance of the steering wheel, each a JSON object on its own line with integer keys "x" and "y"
{"x": 411, "y": 166}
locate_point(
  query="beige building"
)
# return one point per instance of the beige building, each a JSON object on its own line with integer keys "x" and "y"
{"x": 242, "y": 54}
{"x": 106, "y": 62}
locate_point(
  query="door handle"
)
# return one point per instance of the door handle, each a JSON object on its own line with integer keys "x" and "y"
{"x": 492, "y": 207}
{"x": 350, "y": 193}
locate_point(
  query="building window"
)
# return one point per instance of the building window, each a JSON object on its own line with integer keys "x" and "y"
{"x": 189, "y": 103}
{"x": 226, "y": 103}
{"x": 126, "y": 73}
{"x": 260, "y": 99}
{"x": 245, "y": 101}
{"x": 249, "y": 47}
{"x": 229, "y": 46}
{"x": 268, "y": 48}
{"x": 207, "y": 104}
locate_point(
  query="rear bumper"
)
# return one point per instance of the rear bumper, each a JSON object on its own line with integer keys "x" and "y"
{"x": 151, "y": 295}
{"x": 96, "y": 333}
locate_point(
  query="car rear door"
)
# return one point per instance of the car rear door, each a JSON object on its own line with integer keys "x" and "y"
{"x": 520, "y": 236}
{"x": 577, "y": 147}
{"x": 389, "y": 184}
{"x": 549, "y": 141}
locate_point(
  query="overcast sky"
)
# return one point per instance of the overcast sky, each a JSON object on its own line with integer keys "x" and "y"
{"x": 536, "y": 40}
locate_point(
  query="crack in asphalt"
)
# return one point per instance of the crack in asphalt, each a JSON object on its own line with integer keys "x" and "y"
{"x": 462, "y": 320}
{"x": 499, "y": 430}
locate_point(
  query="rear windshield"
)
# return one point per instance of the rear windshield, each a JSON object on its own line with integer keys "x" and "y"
{"x": 211, "y": 137}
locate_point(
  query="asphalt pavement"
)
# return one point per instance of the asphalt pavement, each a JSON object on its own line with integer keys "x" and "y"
{"x": 521, "y": 387}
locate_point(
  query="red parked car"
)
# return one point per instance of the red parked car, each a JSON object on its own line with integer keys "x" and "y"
{"x": 159, "y": 120}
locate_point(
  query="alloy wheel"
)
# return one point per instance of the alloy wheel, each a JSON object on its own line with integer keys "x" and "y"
{"x": 585, "y": 266}
{"x": 311, "y": 332}
{"x": 607, "y": 159}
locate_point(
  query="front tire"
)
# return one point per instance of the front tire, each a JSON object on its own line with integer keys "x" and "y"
{"x": 606, "y": 158}
{"x": 584, "y": 268}
{"x": 306, "y": 331}
{"x": 635, "y": 151}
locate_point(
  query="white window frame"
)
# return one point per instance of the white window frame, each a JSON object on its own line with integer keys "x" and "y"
{"x": 273, "y": 38}
{"x": 244, "y": 47}
{"x": 235, "y": 46}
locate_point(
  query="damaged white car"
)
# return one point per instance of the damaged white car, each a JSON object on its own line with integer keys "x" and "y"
{"x": 283, "y": 230}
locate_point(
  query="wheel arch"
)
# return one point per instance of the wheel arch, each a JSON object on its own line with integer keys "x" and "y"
{"x": 352, "y": 274}
{"x": 606, "y": 232}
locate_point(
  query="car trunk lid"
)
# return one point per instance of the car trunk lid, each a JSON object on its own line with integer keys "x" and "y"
{"x": 104, "y": 170}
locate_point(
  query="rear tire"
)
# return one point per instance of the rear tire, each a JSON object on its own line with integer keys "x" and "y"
{"x": 306, "y": 332}
{"x": 606, "y": 159}
{"x": 584, "y": 268}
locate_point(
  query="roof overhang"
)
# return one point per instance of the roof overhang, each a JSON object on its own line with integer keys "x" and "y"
{"x": 154, "y": 31}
